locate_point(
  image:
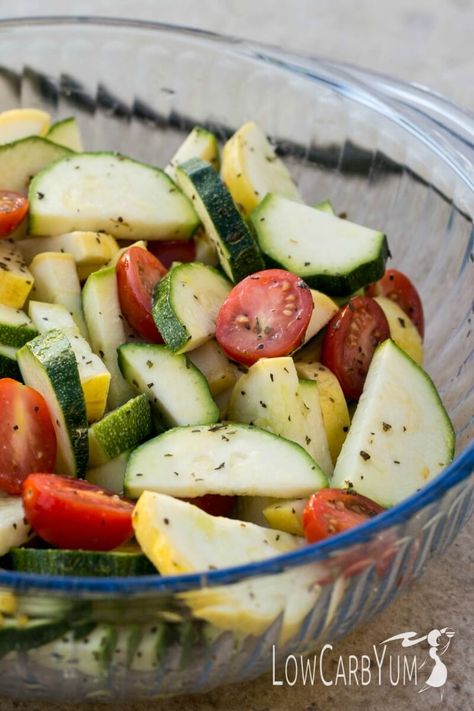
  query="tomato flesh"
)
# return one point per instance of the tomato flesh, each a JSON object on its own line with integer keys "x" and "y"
{"x": 173, "y": 250}
{"x": 214, "y": 504}
{"x": 331, "y": 511}
{"x": 138, "y": 273}
{"x": 27, "y": 436}
{"x": 13, "y": 210}
{"x": 350, "y": 341}
{"x": 264, "y": 316}
{"x": 397, "y": 286}
{"x": 69, "y": 513}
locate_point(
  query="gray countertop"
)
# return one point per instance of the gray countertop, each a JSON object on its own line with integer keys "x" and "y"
{"x": 429, "y": 43}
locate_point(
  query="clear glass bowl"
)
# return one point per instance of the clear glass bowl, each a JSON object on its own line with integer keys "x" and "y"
{"x": 393, "y": 157}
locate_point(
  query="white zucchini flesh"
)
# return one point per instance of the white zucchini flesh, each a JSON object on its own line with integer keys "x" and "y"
{"x": 21, "y": 160}
{"x": 57, "y": 282}
{"x": 107, "y": 329}
{"x": 177, "y": 390}
{"x": 331, "y": 254}
{"x": 400, "y": 436}
{"x": 87, "y": 248}
{"x": 105, "y": 191}
{"x": 222, "y": 459}
{"x": 66, "y": 133}
{"x": 214, "y": 365}
{"x": 187, "y": 302}
{"x": 179, "y": 537}
{"x": 111, "y": 474}
{"x": 199, "y": 143}
{"x": 46, "y": 316}
{"x": 14, "y": 529}
{"x": 270, "y": 396}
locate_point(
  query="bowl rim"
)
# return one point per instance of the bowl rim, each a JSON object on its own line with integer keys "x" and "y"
{"x": 459, "y": 469}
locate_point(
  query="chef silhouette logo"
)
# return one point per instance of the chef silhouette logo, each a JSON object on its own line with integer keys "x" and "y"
{"x": 439, "y": 641}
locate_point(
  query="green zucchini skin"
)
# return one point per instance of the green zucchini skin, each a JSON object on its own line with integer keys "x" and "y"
{"x": 8, "y": 364}
{"x": 119, "y": 430}
{"x": 332, "y": 255}
{"x": 48, "y": 363}
{"x": 181, "y": 327}
{"x": 238, "y": 251}
{"x": 19, "y": 638}
{"x": 21, "y": 159}
{"x": 50, "y": 561}
{"x": 16, "y": 328}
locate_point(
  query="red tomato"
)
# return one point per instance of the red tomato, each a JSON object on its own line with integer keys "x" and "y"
{"x": 27, "y": 437}
{"x": 264, "y": 316}
{"x": 69, "y": 513}
{"x": 397, "y": 286}
{"x": 350, "y": 340}
{"x": 332, "y": 511}
{"x": 138, "y": 273}
{"x": 173, "y": 250}
{"x": 13, "y": 210}
{"x": 214, "y": 504}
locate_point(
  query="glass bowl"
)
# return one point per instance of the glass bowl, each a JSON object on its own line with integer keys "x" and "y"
{"x": 392, "y": 156}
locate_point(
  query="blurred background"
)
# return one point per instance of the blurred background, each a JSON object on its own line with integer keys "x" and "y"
{"x": 425, "y": 41}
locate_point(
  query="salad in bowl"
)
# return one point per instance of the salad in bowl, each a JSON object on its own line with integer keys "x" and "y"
{"x": 197, "y": 371}
{"x": 78, "y": 622}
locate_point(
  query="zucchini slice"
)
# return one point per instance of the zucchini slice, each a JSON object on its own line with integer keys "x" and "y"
{"x": 237, "y": 249}
{"x": 181, "y": 538}
{"x": 402, "y": 329}
{"x": 66, "y": 133}
{"x": 186, "y": 305}
{"x": 111, "y": 474}
{"x": 286, "y": 516}
{"x": 107, "y": 329}
{"x": 219, "y": 372}
{"x": 16, "y": 280}
{"x": 94, "y": 249}
{"x": 50, "y": 561}
{"x": 177, "y": 390}
{"x": 332, "y": 401}
{"x": 17, "y": 636}
{"x": 57, "y": 282}
{"x": 329, "y": 253}
{"x": 14, "y": 528}
{"x": 111, "y": 193}
{"x": 8, "y": 363}
{"x": 16, "y": 328}
{"x": 251, "y": 169}
{"x": 21, "y": 160}
{"x": 270, "y": 396}
{"x": 20, "y": 123}
{"x": 48, "y": 364}
{"x": 122, "y": 429}
{"x": 200, "y": 143}
{"x": 222, "y": 459}
{"x": 401, "y": 436}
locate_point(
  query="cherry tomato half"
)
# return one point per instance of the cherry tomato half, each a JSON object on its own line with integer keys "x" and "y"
{"x": 173, "y": 250}
{"x": 138, "y": 273}
{"x": 264, "y": 316}
{"x": 27, "y": 437}
{"x": 397, "y": 286}
{"x": 13, "y": 210}
{"x": 332, "y": 511}
{"x": 350, "y": 340}
{"x": 69, "y": 513}
{"x": 214, "y": 504}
